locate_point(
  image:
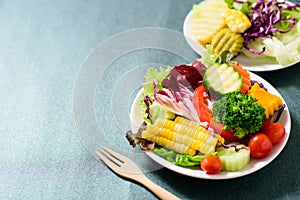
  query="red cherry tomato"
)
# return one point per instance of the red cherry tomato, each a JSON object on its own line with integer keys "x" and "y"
{"x": 229, "y": 136}
{"x": 226, "y": 134}
{"x": 265, "y": 125}
{"x": 211, "y": 165}
{"x": 260, "y": 145}
{"x": 275, "y": 131}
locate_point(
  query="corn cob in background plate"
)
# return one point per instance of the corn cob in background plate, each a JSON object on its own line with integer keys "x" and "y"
{"x": 236, "y": 21}
{"x": 188, "y": 119}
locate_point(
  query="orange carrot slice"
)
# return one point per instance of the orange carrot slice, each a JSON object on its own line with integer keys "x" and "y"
{"x": 245, "y": 76}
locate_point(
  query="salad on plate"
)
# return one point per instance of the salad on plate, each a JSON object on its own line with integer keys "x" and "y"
{"x": 264, "y": 29}
{"x": 210, "y": 115}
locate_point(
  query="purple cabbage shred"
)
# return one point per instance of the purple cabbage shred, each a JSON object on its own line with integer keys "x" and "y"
{"x": 236, "y": 148}
{"x": 264, "y": 17}
{"x": 278, "y": 113}
{"x": 260, "y": 84}
{"x": 148, "y": 101}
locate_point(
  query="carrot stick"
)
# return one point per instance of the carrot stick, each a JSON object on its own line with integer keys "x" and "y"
{"x": 245, "y": 76}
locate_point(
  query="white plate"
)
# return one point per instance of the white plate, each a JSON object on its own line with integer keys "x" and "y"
{"x": 253, "y": 166}
{"x": 257, "y": 64}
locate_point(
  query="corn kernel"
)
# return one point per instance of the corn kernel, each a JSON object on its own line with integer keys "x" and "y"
{"x": 237, "y": 21}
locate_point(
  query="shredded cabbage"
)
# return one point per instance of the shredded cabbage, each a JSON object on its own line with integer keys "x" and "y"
{"x": 274, "y": 33}
{"x": 284, "y": 48}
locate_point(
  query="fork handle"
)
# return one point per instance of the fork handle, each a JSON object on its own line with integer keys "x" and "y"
{"x": 156, "y": 189}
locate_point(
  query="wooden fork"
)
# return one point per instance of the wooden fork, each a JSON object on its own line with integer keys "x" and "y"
{"x": 125, "y": 167}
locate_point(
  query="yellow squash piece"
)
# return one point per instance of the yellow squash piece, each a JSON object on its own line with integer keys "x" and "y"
{"x": 237, "y": 21}
{"x": 182, "y": 136}
{"x": 267, "y": 100}
{"x": 207, "y": 19}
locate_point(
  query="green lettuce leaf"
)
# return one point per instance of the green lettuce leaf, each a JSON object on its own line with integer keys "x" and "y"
{"x": 155, "y": 74}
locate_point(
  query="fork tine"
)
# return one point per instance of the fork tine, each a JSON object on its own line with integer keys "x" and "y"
{"x": 125, "y": 165}
{"x": 114, "y": 154}
{"x": 111, "y": 164}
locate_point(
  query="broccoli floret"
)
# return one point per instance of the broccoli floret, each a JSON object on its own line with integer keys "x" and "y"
{"x": 240, "y": 113}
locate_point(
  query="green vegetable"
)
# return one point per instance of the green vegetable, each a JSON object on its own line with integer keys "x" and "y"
{"x": 158, "y": 111}
{"x": 155, "y": 74}
{"x": 240, "y": 113}
{"x": 209, "y": 56}
{"x": 233, "y": 160}
{"x": 165, "y": 153}
{"x": 189, "y": 161}
{"x": 243, "y": 7}
{"x": 152, "y": 75}
{"x": 220, "y": 79}
{"x": 180, "y": 159}
{"x": 288, "y": 14}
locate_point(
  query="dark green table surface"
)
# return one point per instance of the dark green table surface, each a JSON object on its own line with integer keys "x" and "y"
{"x": 45, "y": 152}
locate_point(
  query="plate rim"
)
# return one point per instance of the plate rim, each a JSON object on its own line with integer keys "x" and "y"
{"x": 223, "y": 175}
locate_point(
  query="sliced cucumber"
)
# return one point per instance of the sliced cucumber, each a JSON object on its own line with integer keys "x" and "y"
{"x": 158, "y": 111}
{"x": 233, "y": 160}
{"x": 220, "y": 79}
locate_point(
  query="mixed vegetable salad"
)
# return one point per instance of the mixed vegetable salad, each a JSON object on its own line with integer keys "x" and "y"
{"x": 268, "y": 29}
{"x": 209, "y": 114}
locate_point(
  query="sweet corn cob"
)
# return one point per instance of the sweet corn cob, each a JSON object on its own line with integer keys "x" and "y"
{"x": 181, "y": 135}
{"x": 220, "y": 139}
{"x": 237, "y": 21}
{"x": 187, "y": 122}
